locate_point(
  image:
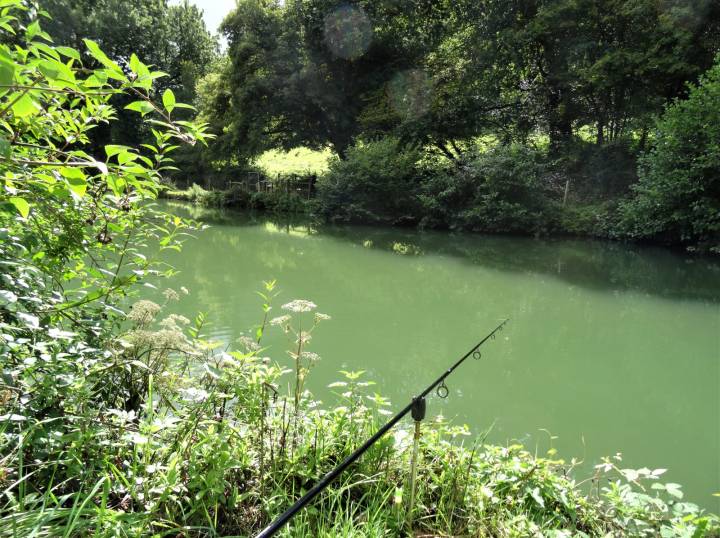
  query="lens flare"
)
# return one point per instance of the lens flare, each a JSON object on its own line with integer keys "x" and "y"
{"x": 410, "y": 93}
{"x": 348, "y": 32}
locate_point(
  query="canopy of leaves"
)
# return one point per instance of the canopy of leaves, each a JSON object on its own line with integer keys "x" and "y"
{"x": 678, "y": 195}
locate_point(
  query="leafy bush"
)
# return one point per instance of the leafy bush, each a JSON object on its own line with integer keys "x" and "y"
{"x": 240, "y": 197}
{"x": 377, "y": 182}
{"x": 593, "y": 220}
{"x": 598, "y": 172}
{"x": 678, "y": 195}
{"x": 498, "y": 190}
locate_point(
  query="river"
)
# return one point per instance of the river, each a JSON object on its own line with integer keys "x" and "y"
{"x": 610, "y": 348}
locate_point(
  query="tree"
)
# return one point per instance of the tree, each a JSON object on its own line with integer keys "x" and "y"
{"x": 315, "y": 72}
{"x": 678, "y": 195}
{"x": 608, "y": 64}
{"x": 172, "y": 39}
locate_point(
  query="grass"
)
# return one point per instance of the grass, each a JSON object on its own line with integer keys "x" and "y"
{"x": 296, "y": 161}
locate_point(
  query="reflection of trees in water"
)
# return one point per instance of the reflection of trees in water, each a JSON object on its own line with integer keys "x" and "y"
{"x": 588, "y": 263}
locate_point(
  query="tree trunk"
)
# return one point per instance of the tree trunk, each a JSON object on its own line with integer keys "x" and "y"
{"x": 600, "y": 139}
{"x": 559, "y": 122}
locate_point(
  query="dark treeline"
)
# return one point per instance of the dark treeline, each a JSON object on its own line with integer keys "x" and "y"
{"x": 171, "y": 38}
{"x": 528, "y": 116}
{"x": 519, "y": 116}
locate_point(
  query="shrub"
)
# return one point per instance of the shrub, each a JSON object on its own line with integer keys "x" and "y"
{"x": 377, "y": 182}
{"x": 599, "y": 172}
{"x": 678, "y": 195}
{"x": 498, "y": 190}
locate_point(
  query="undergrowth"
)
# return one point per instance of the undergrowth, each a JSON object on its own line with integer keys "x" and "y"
{"x": 167, "y": 434}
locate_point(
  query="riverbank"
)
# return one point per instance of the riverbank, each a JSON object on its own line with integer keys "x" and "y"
{"x": 225, "y": 450}
{"x": 572, "y": 220}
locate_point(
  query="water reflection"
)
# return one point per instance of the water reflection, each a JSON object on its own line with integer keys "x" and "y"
{"x": 610, "y": 347}
{"x": 599, "y": 265}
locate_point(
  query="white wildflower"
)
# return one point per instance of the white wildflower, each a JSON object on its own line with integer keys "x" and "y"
{"x": 174, "y": 322}
{"x": 194, "y": 395}
{"x": 171, "y": 295}
{"x": 227, "y": 361}
{"x": 299, "y": 305}
{"x": 184, "y": 290}
{"x": 143, "y": 312}
{"x": 321, "y": 317}
{"x": 280, "y": 320}
{"x": 303, "y": 337}
{"x": 310, "y": 356}
{"x": 248, "y": 343}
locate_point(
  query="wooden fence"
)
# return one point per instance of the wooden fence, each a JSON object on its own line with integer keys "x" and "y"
{"x": 303, "y": 186}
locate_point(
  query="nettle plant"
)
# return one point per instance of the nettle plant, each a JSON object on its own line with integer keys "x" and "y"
{"x": 76, "y": 225}
{"x": 74, "y": 216}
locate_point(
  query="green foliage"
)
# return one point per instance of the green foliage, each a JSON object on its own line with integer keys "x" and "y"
{"x": 499, "y": 190}
{"x": 278, "y": 199}
{"x": 581, "y": 79}
{"x": 377, "y": 181}
{"x": 590, "y": 219}
{"x": 127, "y": 421}
{"x": 678, "y": 195}
{"x": 598, "y": 172}
{"x": 208, "y": 443}
{"x": 170, "y": 38}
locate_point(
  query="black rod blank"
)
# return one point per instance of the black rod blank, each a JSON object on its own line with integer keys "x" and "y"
{"x": 286, "y": 516}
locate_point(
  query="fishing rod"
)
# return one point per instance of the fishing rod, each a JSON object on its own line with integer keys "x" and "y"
{"x": 418, "y": 402}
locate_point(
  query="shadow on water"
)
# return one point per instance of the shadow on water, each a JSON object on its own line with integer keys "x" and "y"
{"x": 599, "y": 265}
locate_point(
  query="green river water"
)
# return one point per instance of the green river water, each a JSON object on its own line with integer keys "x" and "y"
{"x": 610, "y": 348}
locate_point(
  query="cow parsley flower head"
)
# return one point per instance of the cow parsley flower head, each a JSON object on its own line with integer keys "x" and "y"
{"x": 303, "y": 337}
{"x": 280, "y": 320}
{"x": 310, "y": 356}
{"x": 248, "y": 343}
{"x": 143, "y": 312}
{"x": 299, "y": 305}
{"x": 174, "y": 322}
{"x": 171, "y": 295}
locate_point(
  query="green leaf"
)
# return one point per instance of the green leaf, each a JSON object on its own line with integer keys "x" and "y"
{"x": 117, "y": 184}
{"x": 25, "y": 106}
{"x": 134, "y": 63}
{"x": 140, "y": 106}
{"x": 100, "y": 56}
{"x": 32, "y": 30}
{"x": 8, "y": 297}
{"x": 114, "y": 149}
{"x": 7, "y": 73}
{"x": 168, "y": 99}
{"x": 54, "y": 70}
{"x": 21, "y": 205}
{"x": 184, "y": 105}
{"x": 535, "y": 494}
{"x": 674, "y": 490}
{"x": 49, "y": 70}
{"x": 76, "y": 181}
{"x": 5, "y": 147}
{"x": 69, "y": 52}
